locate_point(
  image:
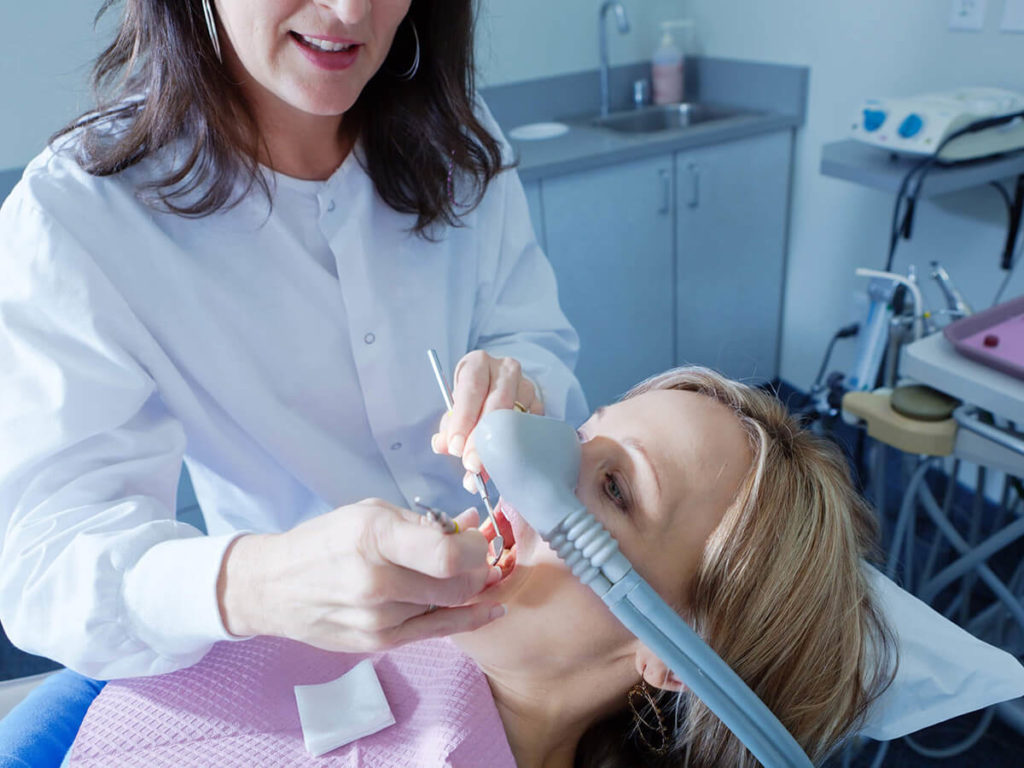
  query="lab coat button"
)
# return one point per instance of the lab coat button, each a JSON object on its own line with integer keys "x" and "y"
{"x": 369, "y": 338}
{"x": 330, "y": 206}
{"x": 396, "y": 446}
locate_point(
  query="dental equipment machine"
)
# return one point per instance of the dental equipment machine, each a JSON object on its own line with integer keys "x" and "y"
{"x": 535, "y": 461}
{"x": 446, "y": 393}
{"x": 920, "y": 125}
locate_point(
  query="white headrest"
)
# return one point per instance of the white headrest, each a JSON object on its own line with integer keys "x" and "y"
{"x": 943, "y": 671}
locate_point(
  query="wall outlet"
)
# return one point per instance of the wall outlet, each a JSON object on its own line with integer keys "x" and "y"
{"x": 967, "y": 14}
{"x": 1013, "y": 16}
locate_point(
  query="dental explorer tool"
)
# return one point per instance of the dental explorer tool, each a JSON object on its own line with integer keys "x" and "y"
{"x": 446, "y": 393}
{"x": 437, "y": 517}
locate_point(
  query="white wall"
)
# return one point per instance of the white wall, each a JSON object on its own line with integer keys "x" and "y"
{"x": 527, "y": 39}
{"x": 47, "y": 47}
{"x": 855, "y": 50}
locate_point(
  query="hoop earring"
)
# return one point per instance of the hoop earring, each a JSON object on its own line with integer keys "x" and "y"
{"x": 640, "y": 692}
{"x": 211, "y": 27}
{"x": 410, "y": 73}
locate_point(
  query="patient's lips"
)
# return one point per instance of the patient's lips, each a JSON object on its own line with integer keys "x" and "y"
{"x": 516, "y": 524}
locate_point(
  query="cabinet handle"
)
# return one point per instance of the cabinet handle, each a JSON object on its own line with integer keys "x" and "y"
{"x": 666, "y": 191}
{"x": 694, "y": 171}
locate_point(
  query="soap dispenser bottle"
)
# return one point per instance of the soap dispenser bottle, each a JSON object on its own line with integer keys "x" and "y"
{"x": 668, "y": 61}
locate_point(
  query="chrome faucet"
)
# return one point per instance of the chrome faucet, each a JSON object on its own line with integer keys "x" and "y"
{"x": 602, "y": 36}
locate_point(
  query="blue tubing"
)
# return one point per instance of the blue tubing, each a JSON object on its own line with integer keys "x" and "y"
{"x": 39, "y": 731}
{"x": 1009, "y": 600}
{"x": 643, "y": 612}
{"x": 969, "y": 561}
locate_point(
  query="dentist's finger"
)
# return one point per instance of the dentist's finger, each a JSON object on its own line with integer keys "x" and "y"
{"x": 472, "y": 384}
{"x": 439, "y": 440}
{"x": 527, "y": 395}
{"x": 426, "y": 549}
{"x": 393, "y": 586}
{"x": 447, "y": 621}
{"x": 505, "y": 379}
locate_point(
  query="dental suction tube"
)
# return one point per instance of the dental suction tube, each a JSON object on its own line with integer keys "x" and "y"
{"x": 534, "y": 461}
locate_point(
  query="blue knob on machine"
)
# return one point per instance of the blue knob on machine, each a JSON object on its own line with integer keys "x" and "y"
{"x": 873, "y": 119}
{"x": 911, "y": 126}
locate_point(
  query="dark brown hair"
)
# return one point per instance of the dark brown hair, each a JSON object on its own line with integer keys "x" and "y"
{"x": 159, "y": 82}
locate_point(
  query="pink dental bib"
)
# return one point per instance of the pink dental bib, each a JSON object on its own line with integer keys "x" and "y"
{"x": 236, "y": 709}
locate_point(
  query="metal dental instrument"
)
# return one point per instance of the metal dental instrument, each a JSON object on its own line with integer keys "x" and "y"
{"x": 446, "y": 393}
{"x": 955, "y": 301}
{"x": 437, "y": 517}
{"x": 536, "y": 463}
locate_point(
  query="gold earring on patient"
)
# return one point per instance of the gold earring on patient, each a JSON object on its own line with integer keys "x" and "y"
{"x": 211, "y": 27}
{"x": 654, "y": 735}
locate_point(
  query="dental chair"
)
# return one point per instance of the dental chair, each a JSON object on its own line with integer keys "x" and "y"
{"x": 957, "y": 411}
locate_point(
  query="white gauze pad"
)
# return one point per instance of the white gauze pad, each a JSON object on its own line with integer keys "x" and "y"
{"x": 337, "y": 713}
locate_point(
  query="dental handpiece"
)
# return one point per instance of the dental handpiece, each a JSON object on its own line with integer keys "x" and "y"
{"x": 535, "y": 461}
{"x": 442, "y": 383}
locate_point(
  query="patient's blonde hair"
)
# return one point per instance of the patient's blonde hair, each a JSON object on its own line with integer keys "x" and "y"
{"x": 780, "y": 594}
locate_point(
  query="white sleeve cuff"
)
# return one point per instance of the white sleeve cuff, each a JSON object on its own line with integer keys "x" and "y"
{"x": 170, "y": 595}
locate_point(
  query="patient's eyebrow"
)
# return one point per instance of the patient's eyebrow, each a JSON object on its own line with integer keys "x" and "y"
{"x": 638, "y": 447}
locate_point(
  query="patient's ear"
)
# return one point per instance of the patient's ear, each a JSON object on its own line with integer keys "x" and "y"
{"x": 655, "y": 671}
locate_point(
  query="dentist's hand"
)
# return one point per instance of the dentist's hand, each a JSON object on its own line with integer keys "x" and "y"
{"x": 481, "y": 384}
{"x": 361, "y": 578}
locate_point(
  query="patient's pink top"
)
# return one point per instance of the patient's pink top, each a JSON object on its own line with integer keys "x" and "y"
{"x": 236, "y": 708}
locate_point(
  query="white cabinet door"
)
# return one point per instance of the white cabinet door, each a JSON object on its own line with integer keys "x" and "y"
{"x": 732, "y": 208}
{"x": 609, "y": 235}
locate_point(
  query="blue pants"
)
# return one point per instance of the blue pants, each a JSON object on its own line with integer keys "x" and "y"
{"x": 39, "y": 731}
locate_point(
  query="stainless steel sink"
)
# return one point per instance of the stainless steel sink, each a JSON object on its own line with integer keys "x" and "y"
{"x": 665, "y": 117}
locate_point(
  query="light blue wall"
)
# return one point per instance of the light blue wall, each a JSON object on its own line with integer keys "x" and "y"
{"x": 48, "y": 46}
{"x": 527, "y": 39}
{"x": 855, "y": 50}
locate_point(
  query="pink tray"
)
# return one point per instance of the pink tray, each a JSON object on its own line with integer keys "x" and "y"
{"x": 1003, "y": 323}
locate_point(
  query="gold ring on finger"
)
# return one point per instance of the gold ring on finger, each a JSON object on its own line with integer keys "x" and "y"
{"x": 520, "y": 407}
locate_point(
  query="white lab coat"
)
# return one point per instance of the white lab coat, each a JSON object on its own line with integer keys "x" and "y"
{"x": 282, "y": 354}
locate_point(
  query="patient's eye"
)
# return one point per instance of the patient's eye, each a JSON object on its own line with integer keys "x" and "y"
{"x": 614, "y": 492}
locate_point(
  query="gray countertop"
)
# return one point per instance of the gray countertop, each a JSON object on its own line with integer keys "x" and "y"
{"x": 774, "y": 97}
{"x": 586, "y": 146}
{"x": 856, "y": 161}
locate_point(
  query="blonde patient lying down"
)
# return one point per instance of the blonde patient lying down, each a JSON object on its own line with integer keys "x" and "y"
{"x": 745, "y": 523}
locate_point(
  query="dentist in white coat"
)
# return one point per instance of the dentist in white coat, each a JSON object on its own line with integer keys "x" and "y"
{"x": 239, "y": 260}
